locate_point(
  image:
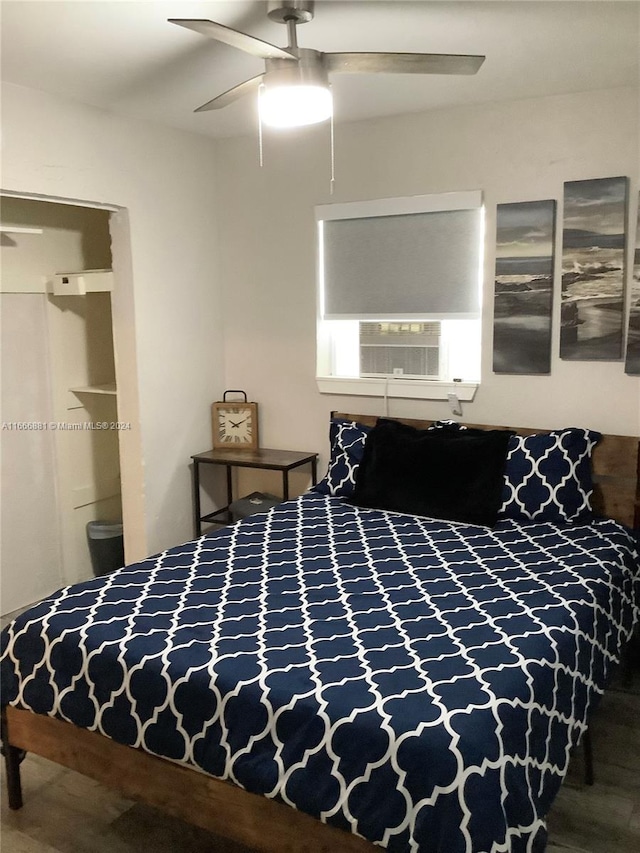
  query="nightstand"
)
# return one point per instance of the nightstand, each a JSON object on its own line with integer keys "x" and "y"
{"x": 263, "y": 458}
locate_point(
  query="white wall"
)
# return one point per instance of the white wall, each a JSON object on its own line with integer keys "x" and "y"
{"x": 512, "y": 151}
{"x": 166, "y": 181}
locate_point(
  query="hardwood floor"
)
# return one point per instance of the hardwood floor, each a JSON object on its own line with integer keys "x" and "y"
{"x": 68, "y": 813}
{"x": 605, "y": 817}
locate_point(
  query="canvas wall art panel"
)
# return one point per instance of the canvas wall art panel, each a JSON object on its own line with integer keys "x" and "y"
{"x": 632, "y": 363}
{"x": 523, "y": 292}
{"x": 593, "y": 249}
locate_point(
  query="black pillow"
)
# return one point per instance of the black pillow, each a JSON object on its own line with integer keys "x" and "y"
{"x": 453, "y": 475}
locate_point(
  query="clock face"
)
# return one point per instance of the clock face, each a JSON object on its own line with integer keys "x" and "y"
{"x": 235, "y": 425}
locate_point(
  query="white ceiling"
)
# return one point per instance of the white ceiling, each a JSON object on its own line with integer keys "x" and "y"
{"x": 123, "y": 56}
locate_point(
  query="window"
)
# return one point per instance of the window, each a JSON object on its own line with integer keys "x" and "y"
{"x": 399, "y": 295}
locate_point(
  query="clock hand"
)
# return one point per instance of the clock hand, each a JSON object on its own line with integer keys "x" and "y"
{"x": 236, "y": 425}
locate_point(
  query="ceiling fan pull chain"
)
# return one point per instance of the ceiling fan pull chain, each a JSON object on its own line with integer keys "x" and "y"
{"x": 332, "y": 182}
{"x": 260, "y": 146}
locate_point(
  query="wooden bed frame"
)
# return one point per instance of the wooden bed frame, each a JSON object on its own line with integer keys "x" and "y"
{"x": 221, "y": 807}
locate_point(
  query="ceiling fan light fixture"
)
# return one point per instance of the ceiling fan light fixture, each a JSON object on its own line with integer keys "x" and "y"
{"x": 295, "y": 105}
{"x": 295, "y": 94}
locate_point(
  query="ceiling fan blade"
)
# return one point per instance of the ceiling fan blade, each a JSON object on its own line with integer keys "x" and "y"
{"x": 403, "y": 63}
{"x": 254, "y": 46}
{"x": 231, "y": 95}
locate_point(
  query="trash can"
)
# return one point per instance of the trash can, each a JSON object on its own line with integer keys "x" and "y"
{"x": 106, "y": 546}
{"x": 251, "y": 504}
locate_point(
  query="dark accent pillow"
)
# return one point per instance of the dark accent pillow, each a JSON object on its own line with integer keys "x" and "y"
{"x": 454, "y": 475}
{"x": 548, "y": 477}
{"x": 347, "y": 439}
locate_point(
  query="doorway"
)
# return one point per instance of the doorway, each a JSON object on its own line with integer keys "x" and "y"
{"x": 63, "y": 430}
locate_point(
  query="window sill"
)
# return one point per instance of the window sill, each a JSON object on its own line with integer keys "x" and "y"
{"x": 413, "y": 389}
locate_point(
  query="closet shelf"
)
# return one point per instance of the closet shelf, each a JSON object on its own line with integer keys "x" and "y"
{"x": 19, "y": 229}
{"x": 109, "y": 388}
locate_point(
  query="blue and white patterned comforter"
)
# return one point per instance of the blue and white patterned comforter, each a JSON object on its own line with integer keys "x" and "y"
{"x": 417, "y": 682}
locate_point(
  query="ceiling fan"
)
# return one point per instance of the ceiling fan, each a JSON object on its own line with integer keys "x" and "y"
{"x": 296, "y": 79}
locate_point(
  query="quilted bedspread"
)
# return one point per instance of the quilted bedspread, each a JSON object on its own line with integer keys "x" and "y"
{"x": 417, "y": 682}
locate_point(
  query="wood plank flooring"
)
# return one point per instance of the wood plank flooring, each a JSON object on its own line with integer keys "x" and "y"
{"x": 605, "y": 817}
{"x": 68, "y": 813}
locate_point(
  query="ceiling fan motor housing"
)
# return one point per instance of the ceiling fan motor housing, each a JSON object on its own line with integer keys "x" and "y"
{"x": 300, "y": 11}
{"x": 309, "y": 70}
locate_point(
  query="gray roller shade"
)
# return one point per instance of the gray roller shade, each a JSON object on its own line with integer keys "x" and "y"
{"x": 403, "y": 266}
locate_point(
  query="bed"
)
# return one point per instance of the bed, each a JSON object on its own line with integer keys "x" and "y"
{"x": 333, "y": 677}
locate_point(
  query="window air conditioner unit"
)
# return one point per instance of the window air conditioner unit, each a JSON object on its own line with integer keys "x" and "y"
{"x": 410, "y": 350}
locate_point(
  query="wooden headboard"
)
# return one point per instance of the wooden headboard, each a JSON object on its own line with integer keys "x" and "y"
{"x": 615, "y": 465}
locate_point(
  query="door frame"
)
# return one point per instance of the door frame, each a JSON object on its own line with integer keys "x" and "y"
{"x": 125, "y": 352}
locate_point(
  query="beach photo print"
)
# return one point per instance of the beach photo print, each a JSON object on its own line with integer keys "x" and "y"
{"x": 523, "y": 293}
{"x": 593, "y": 253}
{"x": 632, "y": 364}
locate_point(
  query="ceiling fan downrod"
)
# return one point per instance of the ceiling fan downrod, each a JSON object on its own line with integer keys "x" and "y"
{"x": 291, "y": 13}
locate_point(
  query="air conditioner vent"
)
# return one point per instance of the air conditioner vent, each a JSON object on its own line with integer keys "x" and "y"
{"x": 400, "y": 349}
